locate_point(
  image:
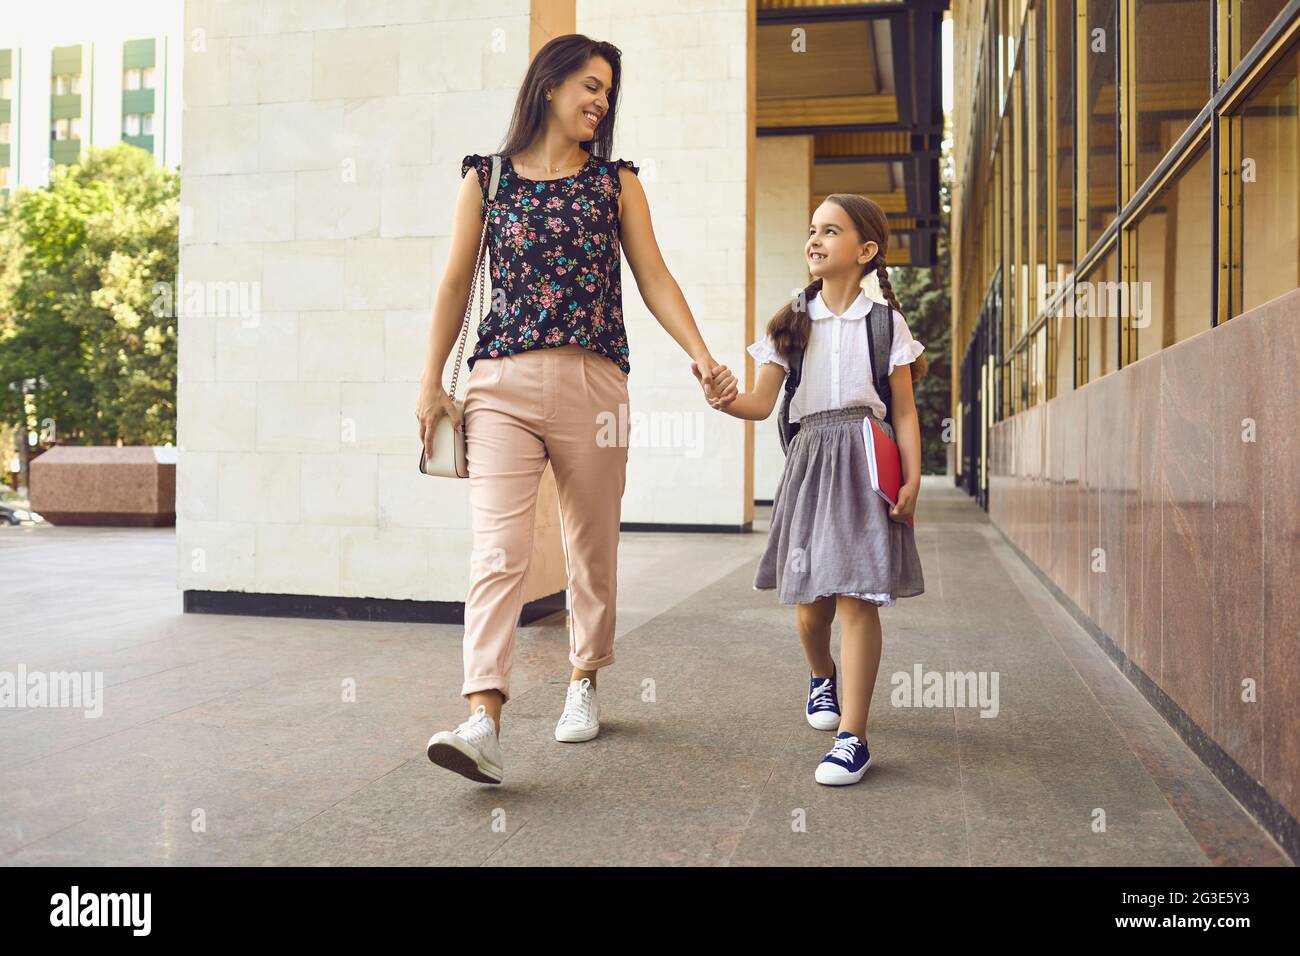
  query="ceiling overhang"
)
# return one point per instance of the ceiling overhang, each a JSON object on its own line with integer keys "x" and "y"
{"x": 864, "y": 80}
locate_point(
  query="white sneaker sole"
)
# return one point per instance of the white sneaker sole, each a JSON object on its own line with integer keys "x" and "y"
{"x": 452, "y": 752}
{"x": 835, "y": 776}
{"x": 575, "y": 735}
{"x": 823, "y": 720}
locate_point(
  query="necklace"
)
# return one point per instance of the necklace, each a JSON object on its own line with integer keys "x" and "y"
{"x": 555, "y": 169}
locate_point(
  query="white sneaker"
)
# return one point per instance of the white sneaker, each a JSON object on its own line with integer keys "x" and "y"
{"x": 580, "y": 720}
{"x": 471, "y": 750}
{"x": 846, "y": 763}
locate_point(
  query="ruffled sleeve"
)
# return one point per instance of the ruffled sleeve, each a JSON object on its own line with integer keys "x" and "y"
{"x": 613, "y": 173}
{"x": 763, "y": 351}
{"x": 483, "y": 166}
{"x": 906, "y": 348}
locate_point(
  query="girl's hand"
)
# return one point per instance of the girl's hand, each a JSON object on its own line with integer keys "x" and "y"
{"x": 723, "y": 390}
{"x": 704, "y": 361}
{"x": 905, "y": 507}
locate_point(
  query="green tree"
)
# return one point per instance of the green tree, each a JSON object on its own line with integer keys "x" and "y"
{"x": 81, "y": 330}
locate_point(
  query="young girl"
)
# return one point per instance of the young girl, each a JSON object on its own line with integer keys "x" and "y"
{"x": 835, "y": 546}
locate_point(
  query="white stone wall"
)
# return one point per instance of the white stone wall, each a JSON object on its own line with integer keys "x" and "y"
{"x": 781, "y": 207}
{"x": 321, "y": 160}
{"x": 683, "y": 118}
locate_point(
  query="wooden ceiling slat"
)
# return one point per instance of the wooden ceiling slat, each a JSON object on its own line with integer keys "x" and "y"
{"x": 815, "y": 4}
{"x": 836, "y": 58}
{"x": 862, "y": 144}
{"x": 826, "y": 111}
{"x": 893, "y": 204}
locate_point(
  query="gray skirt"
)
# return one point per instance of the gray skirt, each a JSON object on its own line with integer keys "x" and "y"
{"x": 831, "y": 534}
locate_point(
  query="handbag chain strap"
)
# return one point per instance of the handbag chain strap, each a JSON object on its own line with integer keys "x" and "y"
{"x": 479, "y": 278}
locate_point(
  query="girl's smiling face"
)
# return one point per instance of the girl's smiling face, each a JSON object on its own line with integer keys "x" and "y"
{"x": 833, "y": 244}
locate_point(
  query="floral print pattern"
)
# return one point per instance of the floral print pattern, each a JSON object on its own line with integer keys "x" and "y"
{"x": 555, "y": 254}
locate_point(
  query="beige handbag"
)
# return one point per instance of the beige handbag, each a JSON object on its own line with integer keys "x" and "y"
{"x": 449, "y": 459}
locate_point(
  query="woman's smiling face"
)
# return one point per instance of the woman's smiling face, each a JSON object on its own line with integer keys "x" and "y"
{"x": 580, "y": 103}
{"x": 833, "y": 242}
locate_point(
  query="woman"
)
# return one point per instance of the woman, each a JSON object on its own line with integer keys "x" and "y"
{"x": 550, "y": 365}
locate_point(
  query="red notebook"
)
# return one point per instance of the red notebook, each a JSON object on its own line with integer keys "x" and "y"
{"x": 885, "y": 462}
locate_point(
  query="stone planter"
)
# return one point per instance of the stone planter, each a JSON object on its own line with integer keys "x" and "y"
{"x": 105, "y": 485}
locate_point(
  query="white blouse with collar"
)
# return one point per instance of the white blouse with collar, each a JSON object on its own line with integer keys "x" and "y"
{"x": 836, "y": 370}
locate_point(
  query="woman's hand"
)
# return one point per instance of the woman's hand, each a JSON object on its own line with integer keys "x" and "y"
{"x": 432, "y": 404}
{"x": 720, "y": 391}
{"x": 905, "y": 507}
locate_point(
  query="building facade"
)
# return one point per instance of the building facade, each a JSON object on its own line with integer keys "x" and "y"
{"x": 1126, "y": 314}
{"x": 59, "y": 95}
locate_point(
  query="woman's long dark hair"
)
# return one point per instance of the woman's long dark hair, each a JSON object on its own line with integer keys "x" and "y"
{"x": 554, "y": 63}
{"x": 790, "y": 326}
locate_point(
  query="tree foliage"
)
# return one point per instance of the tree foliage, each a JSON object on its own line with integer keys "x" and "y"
{"x": 77, "y": 324}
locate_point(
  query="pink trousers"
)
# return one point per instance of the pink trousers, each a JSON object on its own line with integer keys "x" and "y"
{"x": 560, "y": 405}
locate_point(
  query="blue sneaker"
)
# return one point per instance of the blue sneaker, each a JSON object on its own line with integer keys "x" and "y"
{"x": 823, "y": 705}
{"x": 846, "y": 763}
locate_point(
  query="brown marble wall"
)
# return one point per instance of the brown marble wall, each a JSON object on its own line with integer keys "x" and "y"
{"x": 1181, "y": 473}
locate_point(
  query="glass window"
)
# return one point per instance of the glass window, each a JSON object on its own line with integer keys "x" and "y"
{"x": 74, "y": 128}
{"x": 1063, "y": 322}
{"x": 74, "y": 83}
{"x": 1042, "y": 131}
{"x": 1099, "y": 302}
{"x": 59, "y": 129}
{"x": 1171, "y": 66}
{"x": 146, "y": 124}
{"x": 132, "y": 124}
{"x": 1011, "y": 26}
{"x": 1270, "y": 184}
{"x": 1024, "y": 197}
{"x": 1006, "y": 158}
{"x": 1173, "y": 262}
{"x": 6, "y": 130}
{"x": 1253, "y": 17}
{"x": 132, "y": 81}
{"x": 60, "y": 85}
{"x": 1065, "y": 190}
{"x": 1101, "y": 107}
{"x": 1040, "y": 365}
{"x": 6, "y": 88}
{"x": 146, "y": 78}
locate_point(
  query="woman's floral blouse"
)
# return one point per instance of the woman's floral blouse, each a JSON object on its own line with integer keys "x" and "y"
{"x": 554, "y": 247}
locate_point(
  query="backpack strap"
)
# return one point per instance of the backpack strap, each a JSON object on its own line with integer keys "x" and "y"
{"x": 795, "y": 358}
{"x": 880, "y": 343}
{"x": 785, "y": 429}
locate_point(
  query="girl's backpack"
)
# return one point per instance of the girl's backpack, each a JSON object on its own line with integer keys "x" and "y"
{"x": 880, "y": 342}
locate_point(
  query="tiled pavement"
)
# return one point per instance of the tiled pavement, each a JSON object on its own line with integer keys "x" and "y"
{"x": 226, "y": 739}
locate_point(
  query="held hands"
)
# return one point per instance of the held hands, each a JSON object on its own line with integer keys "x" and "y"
{"x": 905, "y": 507}
{"x": 718, "y": 382}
